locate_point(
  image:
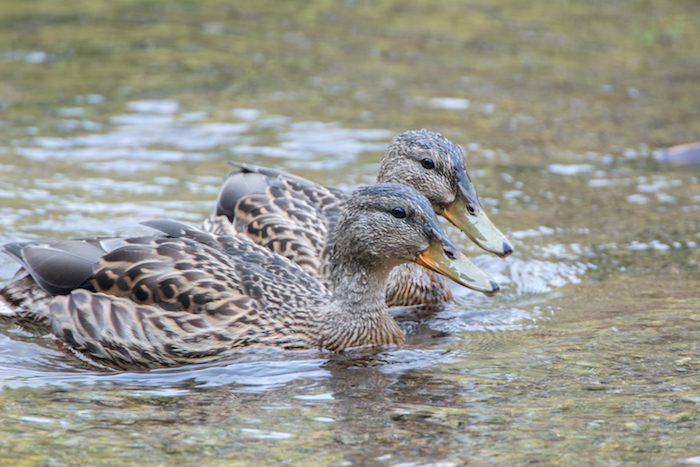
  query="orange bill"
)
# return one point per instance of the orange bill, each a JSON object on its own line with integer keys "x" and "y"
{"x": 457, "y": 267}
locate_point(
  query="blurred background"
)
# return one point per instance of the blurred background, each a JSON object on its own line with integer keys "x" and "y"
{"x": 112, "y": 113}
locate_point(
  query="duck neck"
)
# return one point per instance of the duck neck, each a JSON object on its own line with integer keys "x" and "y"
{"x": 357, "y": 314}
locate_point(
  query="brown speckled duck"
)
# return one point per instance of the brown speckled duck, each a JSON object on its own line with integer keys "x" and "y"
{"x": 295, "y": 217}
{"x": 190, "y": 296}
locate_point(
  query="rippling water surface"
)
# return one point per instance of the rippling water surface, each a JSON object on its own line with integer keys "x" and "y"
{"x": 113, "y": 113}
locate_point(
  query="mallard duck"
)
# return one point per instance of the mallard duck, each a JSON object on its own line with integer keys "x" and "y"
{"x": 294, "y": 217}
{"x": 191, "y": 296}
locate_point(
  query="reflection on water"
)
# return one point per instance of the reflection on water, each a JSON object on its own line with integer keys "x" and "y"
{"x": 589, "y": 354}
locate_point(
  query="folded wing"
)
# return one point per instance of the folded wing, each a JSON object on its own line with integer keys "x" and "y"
{"x": 289, "y": 215}
{"x": 187, "y": 296}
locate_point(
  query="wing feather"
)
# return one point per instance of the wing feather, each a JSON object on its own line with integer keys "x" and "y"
{"x": 187, "y": 296}
{"x": 287, "y": 214}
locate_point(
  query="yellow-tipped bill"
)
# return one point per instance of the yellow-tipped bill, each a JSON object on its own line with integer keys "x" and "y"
{"x": 478, "y": 227}
{"x": 459, "y": 268}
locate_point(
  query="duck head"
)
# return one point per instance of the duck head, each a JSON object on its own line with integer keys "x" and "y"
{"x": 434, "y": 166}
{"x": 387, "y": 224}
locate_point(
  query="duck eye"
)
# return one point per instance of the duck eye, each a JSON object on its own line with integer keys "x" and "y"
{"x": 427, "y": 163}
{"x": 471, "y": 209}
{"x": 398, "y": 213}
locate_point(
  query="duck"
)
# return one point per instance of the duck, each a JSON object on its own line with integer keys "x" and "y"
{"x": 295, "y": 217}
{"x": 186, "y": 296}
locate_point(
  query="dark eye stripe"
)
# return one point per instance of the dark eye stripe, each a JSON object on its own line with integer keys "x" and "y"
{"x": 427, "y": 163}
{"x": 398, "y": 213}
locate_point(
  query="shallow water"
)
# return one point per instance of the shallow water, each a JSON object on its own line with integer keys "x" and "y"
{"x": 118, "y": 112}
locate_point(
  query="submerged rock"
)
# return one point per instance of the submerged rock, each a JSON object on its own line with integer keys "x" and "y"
{"x": 683, "y": 155}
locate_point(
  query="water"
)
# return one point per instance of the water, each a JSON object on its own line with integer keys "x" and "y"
{"x": 113, "y": 113}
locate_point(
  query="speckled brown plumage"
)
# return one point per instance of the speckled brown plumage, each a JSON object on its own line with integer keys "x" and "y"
{"x": 410, "y": 284}
{"x": 191, "y": 296}
{"x": 184, "y": 300}
{"x": 286, "y": 214}
{"x": 295, "y": 217}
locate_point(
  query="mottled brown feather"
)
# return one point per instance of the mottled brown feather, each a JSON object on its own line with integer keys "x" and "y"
{"x": 192, "y": 296}
{"x": 295, "y": 218}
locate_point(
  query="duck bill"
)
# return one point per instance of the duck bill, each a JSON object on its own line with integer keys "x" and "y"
{"x": 477, "y": 226}
{"x": 459, "y": 269}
